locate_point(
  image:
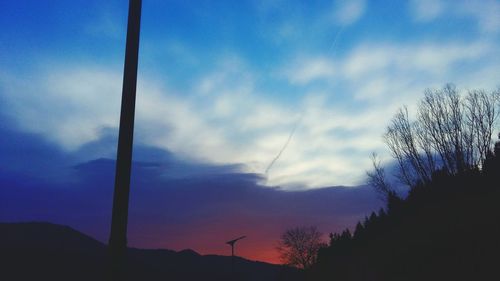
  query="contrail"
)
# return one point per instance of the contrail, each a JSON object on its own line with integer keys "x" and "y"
{"x": 284, "y": 146}
{"x": 335, "y": 39}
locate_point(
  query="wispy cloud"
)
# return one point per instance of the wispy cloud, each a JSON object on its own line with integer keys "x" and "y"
{"x": 225, "y": 118}
{"x": 237, "y": 104}
{"x": 430, "y": 57}
{"x": 369, "y": 60}
{"x": 426, "y": 10}
{"x": 347, "y": 12}
{"x": 372, "y": 81}
{"x": 483, "y": 12}
{"x": 251, "y": 131}
{"x": 68, "y": 105}
{"x": 306, "y": 70}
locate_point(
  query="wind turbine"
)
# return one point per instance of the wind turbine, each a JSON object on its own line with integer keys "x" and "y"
{"x": 118, "y": 235}
{"x": 231, "y": 243}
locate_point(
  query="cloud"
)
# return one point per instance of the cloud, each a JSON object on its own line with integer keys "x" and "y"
{"x": 357, "y": 101}
{"x": 68, "y": 105}
{"x": 227, "y": 118}
{"x": 384, "y": 59}
{"x": 308, "y": 70}
{"x": 30, "y": 158}
{"x": 172, "y": 200}
{"x": 484, "y": 13}
{"x": 348, "y": 12}
{"x": 223, "y": 124}
{"x": 426, "y": 10}
{"x": 435, "y": 58}
{"x": 171, "y": 212}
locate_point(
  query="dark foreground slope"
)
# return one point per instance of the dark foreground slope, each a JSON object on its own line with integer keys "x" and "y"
{"x": 446, "y": 230}
{"x": 43, "y": 251}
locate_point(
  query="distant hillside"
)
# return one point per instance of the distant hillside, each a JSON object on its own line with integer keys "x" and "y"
{"x": 44, "y": 251}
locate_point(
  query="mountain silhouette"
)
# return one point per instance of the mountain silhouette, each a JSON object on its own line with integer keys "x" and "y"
{"x": 45, "y": 251}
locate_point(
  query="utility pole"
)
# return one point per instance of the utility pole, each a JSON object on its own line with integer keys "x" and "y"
{"x": 118, "y": 236}
{"x": 231, "y": 243}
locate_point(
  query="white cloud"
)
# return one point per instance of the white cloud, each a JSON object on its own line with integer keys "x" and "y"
{"x": 379, "y": 78}
{"x": 426, "y": 10}
{"x": 347, "y": 12}
{"x": 68, "y": 106}
{"x": 380, "y": 60}
{"x": 71, "y": 105}
{"x": 433, "y": 58}
{"x": 307, "y": 70}
{"x": 483, "y": 12}
{"x": 225, "y": 118}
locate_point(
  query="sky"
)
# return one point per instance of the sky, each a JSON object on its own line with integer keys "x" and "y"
{"x": 248, "y": 112}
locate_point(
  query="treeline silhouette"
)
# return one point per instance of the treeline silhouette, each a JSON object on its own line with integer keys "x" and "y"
{"x": 447, "y": 228}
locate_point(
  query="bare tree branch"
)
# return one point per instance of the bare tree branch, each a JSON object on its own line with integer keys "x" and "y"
{"x": 451, "y": 133}
{"x": 299, "y": 246}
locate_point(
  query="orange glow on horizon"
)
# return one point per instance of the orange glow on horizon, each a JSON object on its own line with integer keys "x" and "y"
{"x": 210, "y": 239}
{"x": 209, "y": 236}
{"x": 255, "y": 247}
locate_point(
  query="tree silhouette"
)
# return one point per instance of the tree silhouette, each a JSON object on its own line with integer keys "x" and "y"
{"x": 451, "y": 134}
{"x": 377, "y": 178}
{"x": 299, "y": 246}
{"x": 447, "y": 226}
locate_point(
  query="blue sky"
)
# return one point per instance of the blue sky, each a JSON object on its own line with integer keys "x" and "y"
{"x": 239, "y": 103}
{"x": 226, "y": 82}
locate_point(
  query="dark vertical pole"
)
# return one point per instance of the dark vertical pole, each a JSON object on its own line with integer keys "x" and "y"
{"x": 232, "y": 261}
{"x": 118, "y": 236}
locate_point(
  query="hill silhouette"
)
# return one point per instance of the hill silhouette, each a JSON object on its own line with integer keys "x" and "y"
{"x": 447, "y": 229}
{"x": 45, "y": 251}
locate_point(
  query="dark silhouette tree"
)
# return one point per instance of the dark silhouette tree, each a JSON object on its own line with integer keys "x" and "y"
{"x": 299, "y": 246}
{"x": 451, "y": 134}
{"x": 491, "y": 166}
{"x": 377, "y": 178}
{"x": 447, "y": 226}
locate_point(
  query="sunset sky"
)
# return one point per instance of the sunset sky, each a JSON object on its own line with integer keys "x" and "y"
{"x": 250, "y": 114}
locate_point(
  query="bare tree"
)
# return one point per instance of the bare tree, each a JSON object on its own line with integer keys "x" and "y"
{"x": 377, "y": 178}
{"x": 451, "y": 133}
{"x": 299, "y": 246}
